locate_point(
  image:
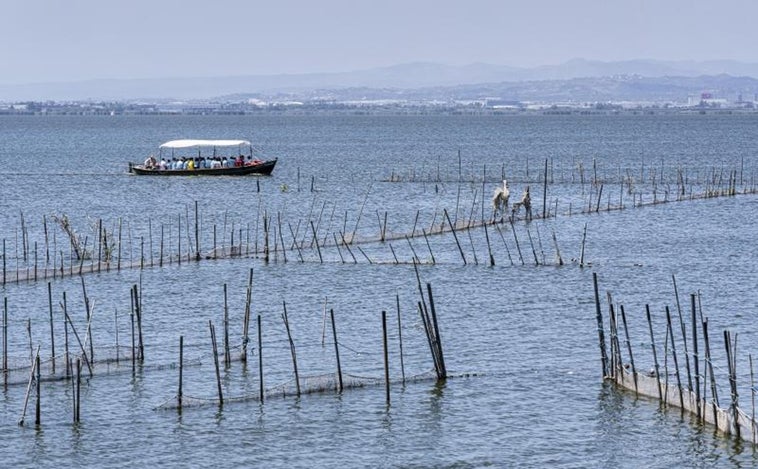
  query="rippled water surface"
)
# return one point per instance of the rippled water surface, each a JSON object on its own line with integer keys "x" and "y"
{"x": 519, "y": 337}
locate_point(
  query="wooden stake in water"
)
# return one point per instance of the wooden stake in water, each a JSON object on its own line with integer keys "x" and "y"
{"x": 77, "y": 415}
{"x": 684, "y": 334}
{"x": 181, "y": 371}
{"x": 452, "y": 229}
{"x": 655, "y": 354}
{"x": 544, "y": 194}
{"x": 227, "y": 353}
{"x": 37, "y": 416}
{"x": 489, "y": 248}
{"x": 52, "y": 334}
{"x": 246, "y": 321}
{"x": 5, "y": 341}
{"x": 260, "y": 358}
{"x": 438, "y": 342}
{"x": 676, "y": 362}
{"x": 629, "y": 347}
{"x": 292, "y": 347}
{"x": 28, "y": 389}
{"x": 695, "y": 358}
{"x": 336, "y": 351}
{"x": 400, "y": 339}
{"x": 197, "y": 233}
{"x": 600, "y": 327}
{"x": 386, "y": 356}
{"x": 215, "y": 361}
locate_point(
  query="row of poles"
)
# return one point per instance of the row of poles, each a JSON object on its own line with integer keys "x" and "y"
{"x": 105, "y": 253}
{"x": 428, "y": 314}
{"x": 716, "y": 179}
{"x": 698, "y": 367}
{"x": 75, "y": 363}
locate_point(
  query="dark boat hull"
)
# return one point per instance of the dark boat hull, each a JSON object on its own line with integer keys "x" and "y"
{"x": 261, "y": 169}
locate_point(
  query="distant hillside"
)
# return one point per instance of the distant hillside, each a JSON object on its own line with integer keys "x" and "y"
{"x": 576, "y": 90}
{"x": 421, "y": 78}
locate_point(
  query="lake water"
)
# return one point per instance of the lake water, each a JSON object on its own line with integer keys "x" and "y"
{"x": 519, "y": 338}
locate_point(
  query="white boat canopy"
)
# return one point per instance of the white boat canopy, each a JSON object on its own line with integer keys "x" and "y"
{"x": 204, "y": 143}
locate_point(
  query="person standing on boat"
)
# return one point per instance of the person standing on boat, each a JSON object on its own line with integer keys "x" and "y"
{"x": 150, "y": 162}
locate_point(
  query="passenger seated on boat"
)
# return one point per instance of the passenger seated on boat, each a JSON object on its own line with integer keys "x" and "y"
{"x": 240, "y": 161}
{"x": 163, "y": 164}
{"x": 150, "y": 162}
{"x": 224, "y": 163}
{"x": 216, "y": 163}
{"x": 191, "y": 164}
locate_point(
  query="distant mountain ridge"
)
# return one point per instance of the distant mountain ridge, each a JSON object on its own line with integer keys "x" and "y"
{"x": 412, "y": 76}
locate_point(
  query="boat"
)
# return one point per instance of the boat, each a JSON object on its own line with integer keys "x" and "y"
{"x": 218, "y": 155}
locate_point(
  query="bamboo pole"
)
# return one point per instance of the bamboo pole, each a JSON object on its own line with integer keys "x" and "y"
{"x": 429, "y": 339}
{"x": 347, "y": 246}
{"x": 215, "y": 361}
{"x": 52, "y": 329}
{"x": 489, "y": 248}
{"x": 684, "y": 333}
{"x": 714, "y": 392}
{"x": 138, "y": 311}
{"x": 518, "y": 247}
{"x": 336, "y": 351}
{"x": 260, "y": 358}
{"x": 600, "y": 327}
{"x": 292, "y": 347}
{"x": 400, "y": 339}
{"x": 246, "y": 322}
{"x": 28, "y": 390}
{"x": 77, "y": 414}
{"x": 752, "y": 394}
{"x": 360, "y": 212}
{"x": 452, "y": 228}
{"x": 438, "y": 341}
{"x": 584, "y": 238}
{"x": 76, "y": 335}
{"x": 88, "y": 315}
{"x": 676, "y": 362}
{"x": 629, "y": 347}
{"x": 544, "y": 194}
{"x": 181, "y": 372}
{"x": 695, "y": 358}
{"x": 323, "y": 323}
{"x": 227, "y": 353}
{"x": 197, "y": 233}
{"x": 37, "y": 416}
{"x": 318, "y": 249}
{"x": 386, "y": 356}
{"x": 5, "y": 341}
{"x": 655, "y": 354}
{"x": 428, "y": 246}
{"x": 134, "y": 351}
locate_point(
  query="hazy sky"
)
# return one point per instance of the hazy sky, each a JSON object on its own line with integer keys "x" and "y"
{"x": 67, "y": 40}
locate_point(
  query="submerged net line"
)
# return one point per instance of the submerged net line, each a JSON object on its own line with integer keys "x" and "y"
{"x": 313, "y": 384}
{"x": 730, "y": 421}
{"x": 110, "y": 360}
